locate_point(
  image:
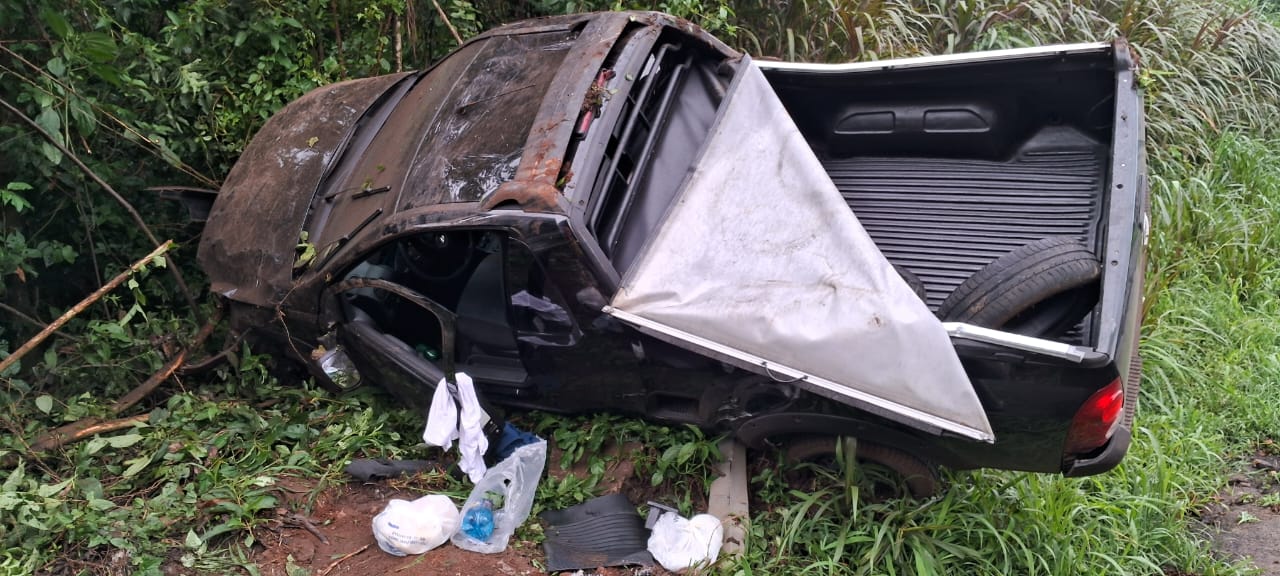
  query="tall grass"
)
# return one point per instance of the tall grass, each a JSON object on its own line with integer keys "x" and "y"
{"x": 1208, "y": 65}
{"x": 1212, "y": 372}
{"x": 1210, "y": 70}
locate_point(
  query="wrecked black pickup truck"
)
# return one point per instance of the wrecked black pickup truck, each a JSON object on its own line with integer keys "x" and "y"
{"x": 939, "y": 256}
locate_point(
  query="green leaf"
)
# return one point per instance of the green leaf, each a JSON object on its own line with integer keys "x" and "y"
{"x": 291, "y": 568}
{"x": 49, "y": 120}
{"x": 101, "y": 505}
{"x": 56, "y": 22}
{"x": 38, "y": 525}
{"x": 57, "y": 67}
{"x": 15, "y": 478}
{"x": 192, "y": 541}
{"x": 108, "y": 73}
{"x": 82, "y": 115}
{"x": 136, "y": 465}
{"x": 51, "y": 152}
{"x": 50, "y": 362}
{"x": 44, "y": 402}
{"x": 124, "y": 441}
{"x": 686, "y": 452}
{"x": 99, "y": 47}
{"x": 47, "y": 490}
{"x": 8, "y": 501}
{"x": 94, "y": 445}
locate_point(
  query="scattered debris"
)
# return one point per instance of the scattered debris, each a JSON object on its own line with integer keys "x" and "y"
{"x": 507, "y": 491}
{"x": 603, "y": 531}
{"x": 415, "y": 527}
{"x": 456, "y": 415}
{"x": 340, "y": 559}
{"x": 370, "y": 469}
{"x": 680, "y": 543}
{"x": 296, "y": 520}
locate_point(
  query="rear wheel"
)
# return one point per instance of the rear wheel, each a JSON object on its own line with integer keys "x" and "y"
{"x": 919, "y": 477}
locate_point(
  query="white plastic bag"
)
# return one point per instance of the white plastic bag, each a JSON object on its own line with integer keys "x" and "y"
{"x": 405, "y": 527}
{"x": 677, "y": 543}
{"x": 509, "y": 487}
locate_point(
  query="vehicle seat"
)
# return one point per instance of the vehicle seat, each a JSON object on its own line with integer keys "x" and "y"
{"x": 482, "y": 308}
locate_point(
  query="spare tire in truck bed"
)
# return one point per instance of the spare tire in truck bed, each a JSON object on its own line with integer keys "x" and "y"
{"x": 1040, "y": 289}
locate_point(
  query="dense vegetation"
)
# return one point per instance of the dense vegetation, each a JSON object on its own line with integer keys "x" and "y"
{"x": 148, "y": 92}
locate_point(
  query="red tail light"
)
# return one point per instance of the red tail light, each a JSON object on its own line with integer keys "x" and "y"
{"x": 1096, "y": 419}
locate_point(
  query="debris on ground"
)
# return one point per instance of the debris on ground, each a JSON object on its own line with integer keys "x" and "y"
{"x": 370, "y": 469}
{"x": 679, "y": 543}
{"x": 405, "y": 528}
{"x": 603, "y": 531}
{"x": 506, "y": 492}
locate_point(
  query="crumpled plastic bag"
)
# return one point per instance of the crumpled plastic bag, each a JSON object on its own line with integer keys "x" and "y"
{"x": 508, "y": 488}
{"x": 445, "y": 424}
{"x": 678, "y": 543}
{"x": 405, "y": 527}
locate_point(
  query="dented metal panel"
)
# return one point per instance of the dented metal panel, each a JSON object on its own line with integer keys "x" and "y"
{"x": 248, "y": 246}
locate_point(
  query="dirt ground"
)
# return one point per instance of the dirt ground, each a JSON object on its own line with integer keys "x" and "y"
{"x": 1244, "y": 519}
{"x": 344, "y": 513}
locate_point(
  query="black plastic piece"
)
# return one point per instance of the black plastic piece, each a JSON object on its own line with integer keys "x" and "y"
{"x": 959, "y": 127}
{"x": 369, "y": 469}
{"x": 604, "y": 531}
{"x": 944, "y": 219}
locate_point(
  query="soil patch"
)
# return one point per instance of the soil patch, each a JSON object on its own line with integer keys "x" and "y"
{"x": 344, "y": 513}
{"x": 1244, "y": 518}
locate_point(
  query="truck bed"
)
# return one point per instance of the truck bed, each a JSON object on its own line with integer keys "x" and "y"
{"x": 945, "y": 218}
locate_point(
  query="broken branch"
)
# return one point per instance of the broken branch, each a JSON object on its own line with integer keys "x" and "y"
{"x": 137, "y": 218}
{"x": 84, "y": 428}
{"x": 34, "y": 322}
{"x": 334, "y": 564}
{"x": 78, "y": 308}
{"x": 143, "y": 390}
{"x": 59, "y": 437}
{"x": 445, "y": 17}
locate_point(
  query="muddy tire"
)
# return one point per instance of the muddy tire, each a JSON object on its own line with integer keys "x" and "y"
{"x": 1041, "y": 289}
{"x": 920, "y": 478}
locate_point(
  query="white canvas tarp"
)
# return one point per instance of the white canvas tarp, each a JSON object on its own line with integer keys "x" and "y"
{"x": 760, "y": 260}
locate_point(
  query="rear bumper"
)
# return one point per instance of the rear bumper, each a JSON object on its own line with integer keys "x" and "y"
{"x": 1109, "y": 458}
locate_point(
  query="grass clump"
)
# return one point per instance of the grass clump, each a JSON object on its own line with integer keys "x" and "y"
{"x": 193, "y": 485}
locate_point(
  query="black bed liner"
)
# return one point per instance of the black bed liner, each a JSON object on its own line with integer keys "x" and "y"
{"x": 943, "y": 219}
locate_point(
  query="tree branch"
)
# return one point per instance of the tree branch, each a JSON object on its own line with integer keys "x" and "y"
{"x": 137, "y": 218}
{"x": 78, "y": 308}
{"x": 33, "y": 321}
{"x": 445, "y": 17}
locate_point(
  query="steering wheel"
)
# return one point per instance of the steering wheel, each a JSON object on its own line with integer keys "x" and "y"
{"x": 438, "y": 256}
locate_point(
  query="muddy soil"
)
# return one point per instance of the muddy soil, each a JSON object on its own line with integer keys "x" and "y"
{"x": 1244, "y": 518}
{"x": 344, "y": 513}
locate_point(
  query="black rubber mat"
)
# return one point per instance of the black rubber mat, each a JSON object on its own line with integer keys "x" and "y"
{"x": 943, "y": 219}
{"x": 604, "y": 531}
